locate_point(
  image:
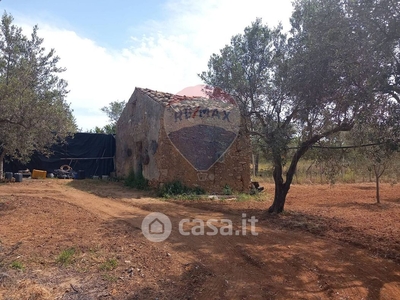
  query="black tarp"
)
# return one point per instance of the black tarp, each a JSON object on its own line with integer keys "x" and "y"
{"x": 92, "y": 152}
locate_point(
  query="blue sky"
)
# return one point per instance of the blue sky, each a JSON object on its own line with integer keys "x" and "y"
{"x": 111, "y": 47}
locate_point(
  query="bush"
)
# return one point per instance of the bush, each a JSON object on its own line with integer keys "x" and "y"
{"x": 227, "y": 190}
{"x": 176, "y": 188}
{"x": 349, "y": 177}
{"x": 136, "y": 181}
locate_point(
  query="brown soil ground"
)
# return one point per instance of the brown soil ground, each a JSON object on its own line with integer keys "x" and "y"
{"x": 331, "y": 243}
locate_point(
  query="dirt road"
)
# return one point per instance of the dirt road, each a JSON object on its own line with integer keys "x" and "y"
{"x": 112, "y": 259}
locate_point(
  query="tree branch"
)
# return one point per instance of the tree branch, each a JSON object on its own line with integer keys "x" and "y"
{"x": 307, "y": 144}
{"x": 289, "y": 118}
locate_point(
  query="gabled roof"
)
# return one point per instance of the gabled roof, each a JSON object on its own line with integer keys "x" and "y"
{"x": 177, "y": 101}
{"x": 165, "y": 99}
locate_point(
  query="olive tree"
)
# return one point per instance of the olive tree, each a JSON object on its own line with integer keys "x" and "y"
{"x": 113, "y": 111}
{"x": 378, "y": 134}
{"x": 301, "y": 90}
{"x": 34, "y": 113}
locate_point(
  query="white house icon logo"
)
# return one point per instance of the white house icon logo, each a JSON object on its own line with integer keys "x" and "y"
{"x": 156, "y": 227}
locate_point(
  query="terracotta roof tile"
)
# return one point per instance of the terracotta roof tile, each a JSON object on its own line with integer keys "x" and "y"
{"x": 164, "y": 98}
{"x": 167, "y": 99}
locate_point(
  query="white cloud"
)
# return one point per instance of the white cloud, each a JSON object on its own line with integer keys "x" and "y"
{"x": 166, "y": 56}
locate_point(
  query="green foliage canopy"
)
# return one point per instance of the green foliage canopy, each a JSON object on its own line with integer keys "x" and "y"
{"x": 337, "y": 65}
{"x": 114, "y": 110}
{"x": 33, "y": 111}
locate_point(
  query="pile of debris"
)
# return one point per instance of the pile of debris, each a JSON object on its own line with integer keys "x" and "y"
{"x": 65, "y": 172}
{"x": 255, "y": 188}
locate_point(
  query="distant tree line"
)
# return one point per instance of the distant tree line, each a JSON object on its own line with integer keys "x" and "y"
{"x": 113, "y": 111}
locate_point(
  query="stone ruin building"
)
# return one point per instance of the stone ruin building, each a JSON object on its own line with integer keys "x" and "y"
{"x": 196, "y": 140}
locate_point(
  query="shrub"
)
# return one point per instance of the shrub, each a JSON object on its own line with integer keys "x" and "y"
{"x": 227, "y": 190}
{"x": 349, "y": 177}
{"x": 136, "y": 181}
{"x": 176, "y": 188}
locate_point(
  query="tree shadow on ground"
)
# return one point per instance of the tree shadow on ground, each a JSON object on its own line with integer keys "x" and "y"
{"x": 373, "y": 206}
{"x": 395, "y": 200}
{"x": 365, "y": 188}
{"x": 385, "y": 246}
{"x": 108, "y": 189}
{"x": 280, "y": 263}
{"x": 284, "y": 262}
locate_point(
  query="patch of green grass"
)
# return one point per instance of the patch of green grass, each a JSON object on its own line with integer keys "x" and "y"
{"x": 190, "y": 197}
{"x": 17, "y": 265}
{"x": 65, "y": 257}
{"x": 244, "y": 197}
{"x": 109, "y": 265}
{"x": 247, "y": 197}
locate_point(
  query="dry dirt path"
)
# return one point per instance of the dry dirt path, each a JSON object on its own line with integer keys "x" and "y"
{"x": 275, "y": 264}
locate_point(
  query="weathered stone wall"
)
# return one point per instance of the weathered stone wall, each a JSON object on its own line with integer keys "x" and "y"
{"x": 138, "y": 130}
{"x": 142, "y": 145}
{"x": 233, "y": 169}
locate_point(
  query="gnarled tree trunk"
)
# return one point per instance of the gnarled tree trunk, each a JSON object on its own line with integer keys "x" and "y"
{"x": 378, "y": 170}
{"x": 281, "y": 187}
{"x": 281, "y": 191}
